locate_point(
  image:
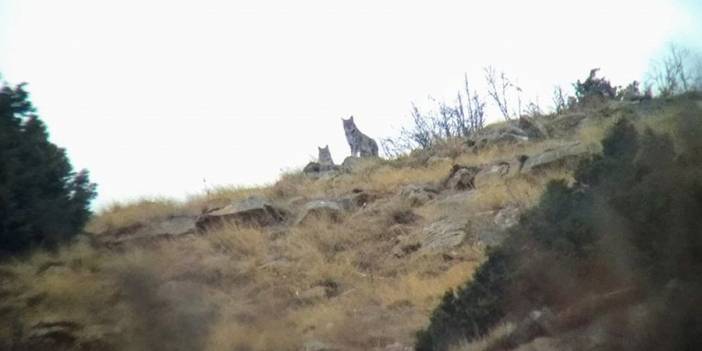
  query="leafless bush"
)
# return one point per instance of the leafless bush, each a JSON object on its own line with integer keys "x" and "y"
{"x": 460, "y": 118}
{"x": 679, "y": 71}
{"x": 533, "y": 109}
{"x": 475, "y": 107}
{"x": 500, "y": 88}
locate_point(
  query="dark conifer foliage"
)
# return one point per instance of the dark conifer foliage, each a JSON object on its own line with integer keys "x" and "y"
{"x": 42, "y": 200}
{"x": 631, "y": 220}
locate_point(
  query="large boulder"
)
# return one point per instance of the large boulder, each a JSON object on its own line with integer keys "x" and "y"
{"x": 565, "y": 124}
{"x": 461, "y": 178}
{"x": 358, "y": 198}
{"x": 503, "y": 134}
{"x": 439, "y": 236}
{"x": 507, "y": 217}
{"x": 444, "y": 234}
{"x": 532, "y": 127}
{"x": 556, "y": 157}
{"x": 312, "y": 167}
{"x": 350, "y": 162}
{"x": 319, "y": 170}
{"x": 320, "y": 209}
{"x": 499, "y": 171}
{"x": 254, "y": 210}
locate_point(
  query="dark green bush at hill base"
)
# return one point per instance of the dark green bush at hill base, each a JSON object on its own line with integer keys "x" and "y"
{"x": 42, "y": 200}
{"x": 633, "y": 218}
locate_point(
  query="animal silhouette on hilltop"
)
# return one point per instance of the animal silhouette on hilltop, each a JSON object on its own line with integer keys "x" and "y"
{"x": 360, "y": 143}
{"x": 325, "y": 158}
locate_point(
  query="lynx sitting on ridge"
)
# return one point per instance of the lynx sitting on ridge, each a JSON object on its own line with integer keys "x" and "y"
{"x": 325, "y": 159}
{"x": 359, "y": 142}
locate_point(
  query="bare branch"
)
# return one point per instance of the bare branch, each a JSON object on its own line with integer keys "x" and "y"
{"x": 458, "y": 119}
{"x": 679, "y": 71}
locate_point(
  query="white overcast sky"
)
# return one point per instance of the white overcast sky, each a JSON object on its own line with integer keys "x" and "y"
{"x": 153, "y": 96}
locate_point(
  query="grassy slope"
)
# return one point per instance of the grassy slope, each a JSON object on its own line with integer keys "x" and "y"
{"x": 662, "y": 116}
{"x": 244, "y": 289}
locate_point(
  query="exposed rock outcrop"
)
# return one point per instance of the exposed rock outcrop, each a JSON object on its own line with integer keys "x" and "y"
{"x": 503, "y": 134}
{"x": 461, "y": 178}
{"x": 532, "y": 128}
{"x": 443, "y": 234}
{"x": 316, "y": 169}
{"x": 499, "y": 171}
{"x": 312, "y": 167}
{"x": 556, "y": 157}
{"x": 251, "y": 211}
{"x": 507, "y": 217}
{"x": 320, "y": 209}
{"x": 358, "y": 198}
{"x": 350, "y": 163}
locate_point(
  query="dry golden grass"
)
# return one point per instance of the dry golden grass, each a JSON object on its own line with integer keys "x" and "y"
{"x": 221, "y": 196}
{"x": 483, "y": 343}
{"x": 420, "y": 290}
{"x": 523, "y": 191}
{"x": 388, "y": 178}
{"x": 593, "y": 132}
{"x": 369, "y": 174}
{"x": 124, "y": 214}
{"x": 255, "y": 279}
{"x": 238, "y": 242}
{"x": 505, "y": 152}
{"x": 260, "y": 277}
{"x": 229, "y": 334}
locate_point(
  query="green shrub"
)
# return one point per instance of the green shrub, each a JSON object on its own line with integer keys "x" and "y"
{"x": 471, "y": 310}
{"x": 632, "y": 218}
{"x": 594, "y": 90}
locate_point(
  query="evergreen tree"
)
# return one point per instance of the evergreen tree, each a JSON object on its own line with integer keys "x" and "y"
{"x": 42, "y": 200}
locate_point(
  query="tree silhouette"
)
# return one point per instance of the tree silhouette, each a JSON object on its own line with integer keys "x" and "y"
{"x": 42, "y": 200}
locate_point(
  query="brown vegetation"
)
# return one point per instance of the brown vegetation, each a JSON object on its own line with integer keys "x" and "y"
{"x": 337, "y": 282}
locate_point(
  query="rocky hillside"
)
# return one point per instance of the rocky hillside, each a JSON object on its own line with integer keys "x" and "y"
{"x": 352, "y": 258}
